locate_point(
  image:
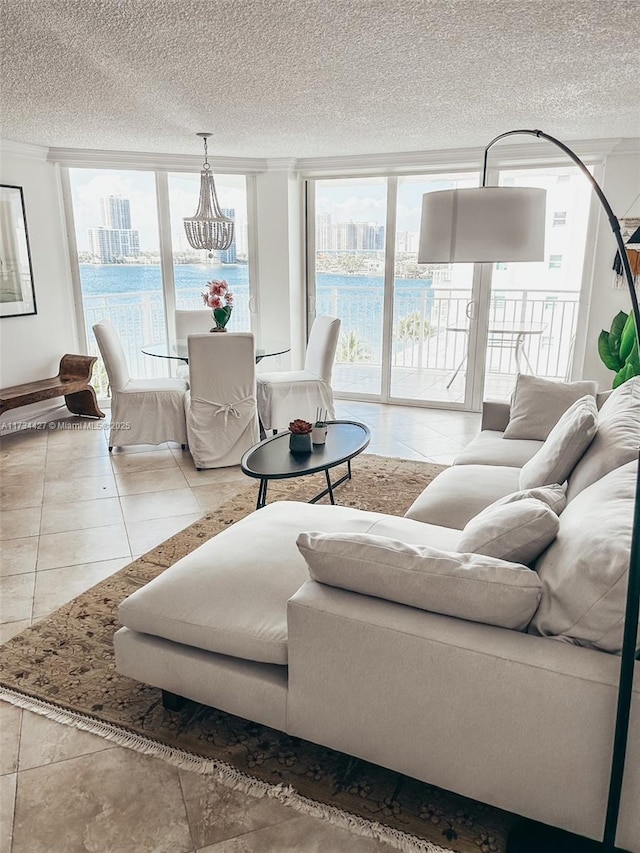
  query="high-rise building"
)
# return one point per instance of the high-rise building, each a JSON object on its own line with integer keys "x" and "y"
{"x": 114, "y": 241}
{"x": 228, "y": 256}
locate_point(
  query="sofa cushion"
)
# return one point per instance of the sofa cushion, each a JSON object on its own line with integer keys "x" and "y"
{"x": 554, "y": 496}
{"x": 538, "y": 404}
{"x": 490, "y": 448}
{"x": 469, "y": 586}
{"x": 518, "y": 531}
{"x": 564, "y": 446}
{"x": 462, "y": 491}
{"x": 584, "y": 571}
{"x": 617, "y": 440}
{"x": 230, "y": 594}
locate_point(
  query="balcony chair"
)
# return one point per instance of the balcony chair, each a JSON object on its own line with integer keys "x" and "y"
{"x": 287, "y": 395}
{"x": 188, "y": 323}
{"x": 143, "y": 411}
{"x": 221, "y": 411}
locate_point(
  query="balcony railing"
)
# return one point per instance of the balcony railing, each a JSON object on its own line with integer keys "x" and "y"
{"x": 424, "y": 324}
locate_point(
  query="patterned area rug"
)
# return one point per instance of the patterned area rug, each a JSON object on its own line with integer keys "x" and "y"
{"x": 63, "y": 667}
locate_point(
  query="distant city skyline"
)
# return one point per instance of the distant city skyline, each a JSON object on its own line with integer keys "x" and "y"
{"x": 114, "y": 240}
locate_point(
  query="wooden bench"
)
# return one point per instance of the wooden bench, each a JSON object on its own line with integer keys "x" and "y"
{"x": 72, "y": 382}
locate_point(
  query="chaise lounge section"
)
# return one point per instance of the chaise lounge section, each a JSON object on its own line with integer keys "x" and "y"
{"x": 333, "y": 635}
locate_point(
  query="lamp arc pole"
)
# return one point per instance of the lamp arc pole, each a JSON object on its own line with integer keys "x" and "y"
{"x": 627, "y": 659}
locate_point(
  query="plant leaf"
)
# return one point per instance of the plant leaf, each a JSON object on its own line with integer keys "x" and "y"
{"x": 628, "y": 338}
{"x": 617, "y": 327}
{"x": 610, "y": 359}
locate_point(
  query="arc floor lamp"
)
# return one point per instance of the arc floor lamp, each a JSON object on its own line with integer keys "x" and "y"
{"x": 489, "y": 224}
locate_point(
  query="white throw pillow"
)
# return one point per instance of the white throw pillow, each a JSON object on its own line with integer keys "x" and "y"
{"x": 584, "y": 572}
{"x": 538, "y": 404}
{"x": 469, "y": 586}
{"x": 518, "y": 531}
{"x": 564, "y": 446}
{"x": 617, "y": 440}
{"x": 553, "y": 495}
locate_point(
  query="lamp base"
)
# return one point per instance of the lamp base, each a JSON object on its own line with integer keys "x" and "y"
{"x": 527, "y": 836}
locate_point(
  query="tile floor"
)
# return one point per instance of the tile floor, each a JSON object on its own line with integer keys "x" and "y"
{"x": 70, "y": 515}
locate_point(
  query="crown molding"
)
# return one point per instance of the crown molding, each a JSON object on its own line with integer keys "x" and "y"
{"x": 22, "y": 149}
{"x": 533, "y": 153}
{"x": 282, "y": 164}
{"x": 86, "y": 158}
{"x": 502, "y": 155}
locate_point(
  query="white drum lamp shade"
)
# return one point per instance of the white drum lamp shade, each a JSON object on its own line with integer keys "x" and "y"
{"x": 482, "y": 224}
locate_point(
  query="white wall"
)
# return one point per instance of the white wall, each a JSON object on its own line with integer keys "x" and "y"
{"x": 31, "y": 346}
{"x": 621, "y": 186}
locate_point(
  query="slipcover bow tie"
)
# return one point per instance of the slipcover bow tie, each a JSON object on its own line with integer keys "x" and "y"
{"x": 227, "y": 408}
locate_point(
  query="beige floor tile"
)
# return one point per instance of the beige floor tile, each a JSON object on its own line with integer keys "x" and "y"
{"x": 151, "y": 481}
{"x": 82, "y": 546}
{"x": 217, "y": 813}
{"x": 132, "y": 463}
{"x": 80, "y": 489}
{"x": 138, "y": 448}
{"x": 212, "y": 496}
{"x": 158, "y": 505}
{"x": 7, "y": 806}
{"x": 233, "y": 474}
{"x": 79, "y": 450}
{"x": 44, "y": 741}
{"x": 145, "y": 535}
{"x": 18, "y": 556}
{"x": 16, "y": 495}
{"x": 10, "y": 629}
{"x": 79, "y": 515}
{"x": 10, "y": 722}
{"x": 77, "y": 468}
{"x": 301, "y": 835}
{"x": 19, "y": 523}
{"x": 114, "y": 800}
{"x": 16, "y": 597}
{"x": 54, "y": 587}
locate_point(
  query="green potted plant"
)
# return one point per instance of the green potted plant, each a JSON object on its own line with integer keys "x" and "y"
{"x": 618, "y": 348}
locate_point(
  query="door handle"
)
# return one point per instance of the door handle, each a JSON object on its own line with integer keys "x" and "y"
{"x": 470, "y": 309}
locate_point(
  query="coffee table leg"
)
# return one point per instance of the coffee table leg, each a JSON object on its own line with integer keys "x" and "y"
{"x": 262, "y": 494}
{"x": 329, "y": 487}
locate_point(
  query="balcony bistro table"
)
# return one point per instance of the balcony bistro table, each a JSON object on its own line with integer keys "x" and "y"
{"x": 272, "y": 460}
{"x": 179, "y": 350}
{"x": 504, "y": 335}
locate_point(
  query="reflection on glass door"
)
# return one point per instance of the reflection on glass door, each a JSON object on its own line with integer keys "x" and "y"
{"x": 533, "y": 307}
{"x": 432, "y": 306}
{"x": 349, "y": 276}
{"x": 192, "y": 268}
{"x": 116, "y": 223}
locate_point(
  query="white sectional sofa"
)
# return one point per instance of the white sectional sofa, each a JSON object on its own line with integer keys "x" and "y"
{"x": 355, "y": 660}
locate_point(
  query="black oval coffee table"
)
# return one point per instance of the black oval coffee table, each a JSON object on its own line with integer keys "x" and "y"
{"x": 272, "y": 459}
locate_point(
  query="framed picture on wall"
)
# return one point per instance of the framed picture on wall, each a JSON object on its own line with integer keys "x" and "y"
{"x": 17, "y": 294}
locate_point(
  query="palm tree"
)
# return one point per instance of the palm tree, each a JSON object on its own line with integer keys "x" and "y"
{"x": 352, "y": 349}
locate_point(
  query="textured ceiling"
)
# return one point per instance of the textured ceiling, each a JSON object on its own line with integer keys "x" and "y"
{"x": 307, "y": 78}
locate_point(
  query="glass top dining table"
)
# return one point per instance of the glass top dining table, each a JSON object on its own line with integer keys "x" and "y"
{"x": 178, "y": 350}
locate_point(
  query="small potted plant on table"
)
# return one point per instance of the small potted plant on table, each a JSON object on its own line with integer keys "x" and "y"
{"x": 300, "y": 436}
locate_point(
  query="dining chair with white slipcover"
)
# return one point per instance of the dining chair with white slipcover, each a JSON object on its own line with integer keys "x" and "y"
{"x": 286, "y": 395}
{"x": 221, "y": 409}
{"x": 192, "y": 322}
{"x": 143, "y": 411}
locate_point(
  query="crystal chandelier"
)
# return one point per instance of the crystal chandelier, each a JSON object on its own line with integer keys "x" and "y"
{"x": 209, "y": 228}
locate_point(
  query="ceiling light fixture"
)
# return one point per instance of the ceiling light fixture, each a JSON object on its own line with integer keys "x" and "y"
{"x": 488, "y": 224}
{"x": 209, "y": 229}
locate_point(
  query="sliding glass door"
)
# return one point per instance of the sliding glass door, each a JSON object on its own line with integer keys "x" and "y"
{"x": 441, "y": 335}
{"x": 348, "y": 276}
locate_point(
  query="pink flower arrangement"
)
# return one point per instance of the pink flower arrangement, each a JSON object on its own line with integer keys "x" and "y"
{"x": 217, "y": 294}
{"x": 219, "y": 298}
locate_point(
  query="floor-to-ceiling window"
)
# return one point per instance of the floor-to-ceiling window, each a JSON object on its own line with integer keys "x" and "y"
{"x": 193, "y": 268}
{"x": 444, "y": 335}
{"x": 133, "y": 277}
{"x": 349, "y": 276}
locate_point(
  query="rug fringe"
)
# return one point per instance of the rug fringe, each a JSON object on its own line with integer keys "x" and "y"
{"x": 224, "y": 773}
